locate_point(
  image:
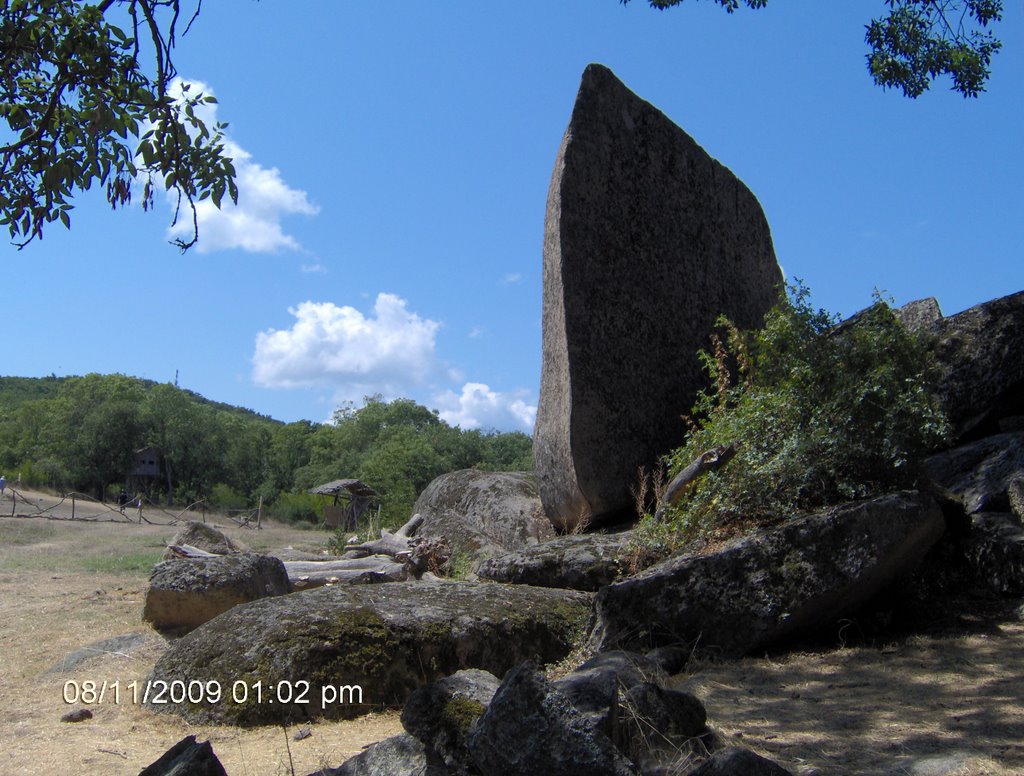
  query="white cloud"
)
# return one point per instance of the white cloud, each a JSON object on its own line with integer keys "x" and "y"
{"x": 512, "y": 278}
{"x": 254, "y": 224}
{"x": 314, "y": 269}
{"x": 480, "y": 407}
{"x": 388, "y": 352}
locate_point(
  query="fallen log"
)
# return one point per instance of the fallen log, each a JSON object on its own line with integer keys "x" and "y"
{"x": 708, "y": 461}
{"x": 305, "y": 575}
{"x": 398, "y": 544}
{"x": 188, "y": 551}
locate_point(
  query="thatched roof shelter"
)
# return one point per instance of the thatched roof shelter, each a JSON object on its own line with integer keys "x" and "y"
{"x": 351, "y": 499}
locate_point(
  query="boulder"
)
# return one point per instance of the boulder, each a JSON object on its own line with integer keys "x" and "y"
{"x": 658, "y": 724}
{"x": 186, "y": 758}
{"x": 483, "y": 513}
{"x": 981, "y": 357}
{"x": 647, "y": 240}
{"x": 979, "y": 473}
{"x": 530, "y": 727}
{"x": 442, "y": 713}
{"x": 994, "y": 551}
{"x": 187, "y": 592}
{"x": 1015, "y": 495}
{"x": 204, "y": 537}
{"x": 345, "y": 650}
{"x": 401, "y": 755}
{"x": 773, "y": 584}
{"x": 595, "y": 688}
{"x": 735, "y": 761}
{"x": 573, "y": 562}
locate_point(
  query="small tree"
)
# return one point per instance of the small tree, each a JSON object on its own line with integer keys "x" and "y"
{"x": 817, "y": 415}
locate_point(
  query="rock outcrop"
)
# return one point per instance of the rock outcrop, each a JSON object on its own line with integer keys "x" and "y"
{"x": 442, "y": 713}
{"x": 575, "y": 562}
{"x": 979, "y": 473}
{"x": 532, "y": 727}
{"x": 187, "y": 592}
{"x": 647, "y": 241}
{"x": 766, "y": 587}
{"x": 483, "y": 513}
{"x": 981, "y": 355}
{"x": 401, "y": 755}
{"x": 385, "y": 640}
{"x": 613, "y": 715}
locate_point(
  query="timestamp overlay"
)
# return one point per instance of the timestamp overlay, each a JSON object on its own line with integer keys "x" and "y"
{"x": 212, "y": 692}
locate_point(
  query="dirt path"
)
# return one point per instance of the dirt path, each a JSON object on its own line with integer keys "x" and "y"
{"x": 927, "y": 705}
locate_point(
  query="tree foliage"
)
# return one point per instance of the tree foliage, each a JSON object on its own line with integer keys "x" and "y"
{"x": 919, "y": 41}
{"x": 79, "y": 433}
{"x": 86, "y": 102}
{"x": 818, "y": 415}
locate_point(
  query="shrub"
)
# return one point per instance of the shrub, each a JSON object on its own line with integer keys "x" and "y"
{"x": 818, "y": 414}
{"x": 297, "y": 508}
{"x": 225, "y": 497}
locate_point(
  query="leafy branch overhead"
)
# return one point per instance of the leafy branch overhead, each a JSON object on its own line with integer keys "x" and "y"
{"x": 921, "y": 40}
{"x": 81, "y": 106}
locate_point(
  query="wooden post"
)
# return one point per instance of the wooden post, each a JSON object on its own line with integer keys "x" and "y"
{"x": 72, "y": 507}
{"x": 14, "y": 501}
{"x": 259, "y": 513}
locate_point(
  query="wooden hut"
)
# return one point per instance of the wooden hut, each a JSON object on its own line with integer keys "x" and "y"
{"x": 350, "y": 500}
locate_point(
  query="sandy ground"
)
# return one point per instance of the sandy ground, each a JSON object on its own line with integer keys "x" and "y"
{"x": 64, "y": 585}
{"x": 950, "y": 705}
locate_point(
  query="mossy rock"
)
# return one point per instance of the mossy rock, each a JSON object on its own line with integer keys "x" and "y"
{"x": 288, "y": 655}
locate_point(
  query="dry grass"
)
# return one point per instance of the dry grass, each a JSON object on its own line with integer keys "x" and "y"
{"x": 896, "y": 710}
{"x": 64, "y": 585}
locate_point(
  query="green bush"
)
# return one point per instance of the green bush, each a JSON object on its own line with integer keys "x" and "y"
{"x": 225, "y": 497}
{"x": 818, "y": 414}
{"x": 297, "y": 508}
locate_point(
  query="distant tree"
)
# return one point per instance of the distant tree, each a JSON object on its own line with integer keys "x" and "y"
{"x": 84, "y": 101}
{"x": 920, "y": 40}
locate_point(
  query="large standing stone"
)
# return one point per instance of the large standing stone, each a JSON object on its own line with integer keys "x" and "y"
{"x": 647, "y": 239}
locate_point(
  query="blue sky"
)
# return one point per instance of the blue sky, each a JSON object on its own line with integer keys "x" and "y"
{"x": 394, "y": 161}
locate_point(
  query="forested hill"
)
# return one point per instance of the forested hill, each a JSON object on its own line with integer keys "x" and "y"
{"x": 15, "y": 390}
{"x": 80, "y": 433}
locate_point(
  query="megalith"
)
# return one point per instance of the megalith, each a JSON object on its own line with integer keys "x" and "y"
{"x": 647, "y": 240}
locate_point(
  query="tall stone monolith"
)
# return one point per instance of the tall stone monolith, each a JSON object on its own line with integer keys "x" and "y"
{"x": 647, "y": 239}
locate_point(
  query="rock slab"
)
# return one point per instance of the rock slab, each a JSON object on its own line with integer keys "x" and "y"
{"x": 980, "y": 353}
{"x": 385, "y": 640}
{"x": 187, "y": 592}
{"x": 187, "y": 758}
{"x": 647, "y": 240}
{"x": 575, "y": 562}
{"x": 771, "y": 585}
